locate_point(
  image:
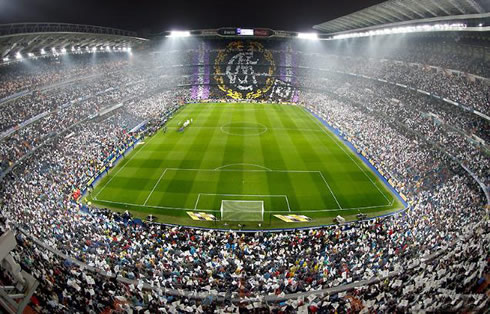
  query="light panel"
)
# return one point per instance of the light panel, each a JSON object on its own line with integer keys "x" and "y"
{"x": 179, "y": 34}
{"x": 310, "y": 36}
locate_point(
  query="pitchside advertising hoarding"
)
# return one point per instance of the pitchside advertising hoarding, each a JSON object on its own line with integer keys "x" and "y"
{"x": 246, "y": 69}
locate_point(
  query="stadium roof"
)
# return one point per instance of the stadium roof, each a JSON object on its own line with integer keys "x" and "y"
{"x": 398, "y": 12}
{"x": 32, "y": 37}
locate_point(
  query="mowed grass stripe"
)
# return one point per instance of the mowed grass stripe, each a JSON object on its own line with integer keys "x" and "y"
{"x": 177, "y": 185}
{"x": 127, "y": 176}
{"x": 229, "y": 182}
{"x": 294, "y": 140}
{"x": 206, "y": 181}
{"x": 297, "y": 149}
{"x": 357, "y": 164}
{"x": 274, "y": 157}
{"x": 313, "y": 145}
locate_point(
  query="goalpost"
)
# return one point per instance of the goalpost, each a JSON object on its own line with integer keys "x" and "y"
{"x": 239, "y": 210}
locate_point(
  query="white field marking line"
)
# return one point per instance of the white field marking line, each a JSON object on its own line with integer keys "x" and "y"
{"x": 268, "y": 170}
{"x": 331, "y": 192}
{"x": 229, "y": 133}
{"x": 335, "y": 209}
{"x": 322, "y": 127}
{"x": 153, "y": 206}
{"x": 252, "y": 195}
{"x": 197, "y": 201}
{"x": 115, "y": 175}
{"x": 244, "y": 170}
{"x": 392, "y": 201}
{"x": 287, "y": 201}
{"x": 270, "y": 211}
{"x": 242, "y": 201}
{"x": 152, "y": 190}
{"x": 243, "y": 164}
{"x": 251, "y": 128}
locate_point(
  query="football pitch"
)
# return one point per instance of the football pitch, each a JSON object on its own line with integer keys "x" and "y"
{"x": 280, "y": 156}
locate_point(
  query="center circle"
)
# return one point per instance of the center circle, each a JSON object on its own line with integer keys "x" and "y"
{"x": 244, "y": 128}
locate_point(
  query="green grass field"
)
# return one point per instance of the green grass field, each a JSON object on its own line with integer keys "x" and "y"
{"x": 278, "y": 154}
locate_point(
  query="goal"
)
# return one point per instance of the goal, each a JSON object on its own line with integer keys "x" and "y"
{"x": 239, "y": 210}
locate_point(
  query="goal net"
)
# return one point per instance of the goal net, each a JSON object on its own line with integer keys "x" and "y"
{"x": 238, "y": 210}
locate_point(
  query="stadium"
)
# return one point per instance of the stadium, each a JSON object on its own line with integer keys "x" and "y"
{"x": 249, "y": 169}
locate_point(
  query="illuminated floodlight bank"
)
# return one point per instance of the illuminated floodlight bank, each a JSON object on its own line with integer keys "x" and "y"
{"x": 18, "y": 56}
{"x": 404, "y": 30}
{"x": 310, "y": 36}
{"x": 179, "y": 34}
{"x": 5, "y": 59}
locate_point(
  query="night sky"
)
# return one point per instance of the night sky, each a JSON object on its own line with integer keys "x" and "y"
{"x": 146, "y": 16}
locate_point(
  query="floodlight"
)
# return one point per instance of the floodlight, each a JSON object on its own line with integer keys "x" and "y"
{"x": 404, "y": 30}
{"x": 179, "y": 34}
{"x": 5, "y": 59}
{"x": 30, "y": 54}
{"x": 72, "y": 48}
{"x": 18, "y": 55}
{"x": 481, "y": 24}
{"x": 312, "y": 36}
{"x": 43, "y": 52}
{"x": 63, "y": 50}
{"x": 53, "y": 49}
{"x": 94, "y": 49}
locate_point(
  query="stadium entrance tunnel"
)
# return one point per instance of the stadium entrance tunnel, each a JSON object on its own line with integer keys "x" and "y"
{"x": 243, "y": 129}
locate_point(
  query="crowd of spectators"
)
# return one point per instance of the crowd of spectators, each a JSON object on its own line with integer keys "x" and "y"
{"x": 449, "y": 126}
{"x": 49, "y": 112}
{"x": 465, "y": 90}
{"x": 27, "y": 76}
{"x": 432, "y": 257}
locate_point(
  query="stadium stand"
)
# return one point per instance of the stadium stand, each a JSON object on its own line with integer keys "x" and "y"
{"x": 74, "y": 118}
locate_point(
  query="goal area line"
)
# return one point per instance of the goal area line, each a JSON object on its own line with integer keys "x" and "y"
{"x": 242, "y": 195}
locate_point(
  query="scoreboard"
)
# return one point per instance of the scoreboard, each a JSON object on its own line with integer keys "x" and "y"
{"x": 245, "y": 32}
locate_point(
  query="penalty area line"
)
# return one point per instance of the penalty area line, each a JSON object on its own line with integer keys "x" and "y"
{"x": 154, "y": 187}
{"x": 153, "y": 206}
{"x": 331, "y": 192}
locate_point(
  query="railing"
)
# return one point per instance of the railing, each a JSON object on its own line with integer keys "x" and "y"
{"x": 23, "y": 28}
